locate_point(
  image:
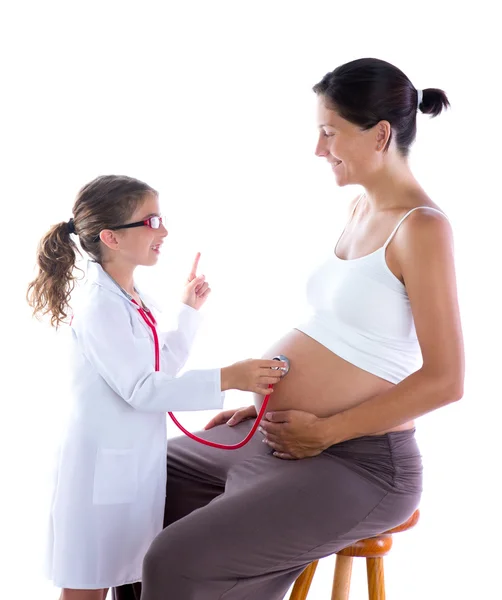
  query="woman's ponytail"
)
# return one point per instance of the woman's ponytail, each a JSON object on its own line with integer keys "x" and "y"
{"x": 434, "y": 101}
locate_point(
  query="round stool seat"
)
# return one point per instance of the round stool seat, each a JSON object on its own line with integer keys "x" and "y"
{"x": 373, "y": 549}
{"x": 370, "y": 548}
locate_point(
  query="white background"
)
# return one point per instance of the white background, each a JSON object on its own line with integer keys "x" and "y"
{"x": 211, "y": 104}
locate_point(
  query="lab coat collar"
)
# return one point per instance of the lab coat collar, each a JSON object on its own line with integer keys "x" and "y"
{"x": 96, "y": 274}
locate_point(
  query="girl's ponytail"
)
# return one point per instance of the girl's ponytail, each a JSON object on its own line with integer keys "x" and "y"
{"x": 50, "y": 291}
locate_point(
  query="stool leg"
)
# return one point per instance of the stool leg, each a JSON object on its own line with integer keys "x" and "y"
{"x": 376, "y": 583}
{"x": 341, "y": 580}
{"x": 302, "y": 584}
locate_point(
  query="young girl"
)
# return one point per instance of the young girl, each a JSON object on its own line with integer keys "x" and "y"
{"x": 108, "y": 503}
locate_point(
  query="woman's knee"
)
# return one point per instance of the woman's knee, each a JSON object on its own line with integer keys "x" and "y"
{"x": 171, "y": 554}
{"x": 160, "y": 559}
{"x": 163, "y": 570}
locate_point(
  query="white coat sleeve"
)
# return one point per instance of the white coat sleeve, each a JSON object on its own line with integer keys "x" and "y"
{"x": 104, "y": 333}
{"x": 176, "y": 343}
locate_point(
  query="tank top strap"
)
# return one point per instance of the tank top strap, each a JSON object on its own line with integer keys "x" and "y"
{"x": 389, "y": 239}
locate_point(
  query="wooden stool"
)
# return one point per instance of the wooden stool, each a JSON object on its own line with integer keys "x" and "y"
{"x": 373, "y": 549}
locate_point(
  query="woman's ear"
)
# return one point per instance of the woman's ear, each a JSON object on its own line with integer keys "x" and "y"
{"x": 383, "y": 133}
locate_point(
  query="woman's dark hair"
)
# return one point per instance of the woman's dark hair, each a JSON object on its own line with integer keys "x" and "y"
{"x": 368, "y": 90}
{"x": 105, "y": 202}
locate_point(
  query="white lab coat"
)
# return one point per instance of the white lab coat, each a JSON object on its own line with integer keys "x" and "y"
{"x": 109, "y": 496}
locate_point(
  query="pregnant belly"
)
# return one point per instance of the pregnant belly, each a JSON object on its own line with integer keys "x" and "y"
{"x": 319, "y": 381}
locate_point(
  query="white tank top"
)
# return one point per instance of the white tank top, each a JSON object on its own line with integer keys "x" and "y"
{"x": 362, "y": 313}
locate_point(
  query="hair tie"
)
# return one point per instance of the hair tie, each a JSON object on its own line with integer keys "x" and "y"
{"x": 420, "y": 97}
{"x": 71, "y": 226}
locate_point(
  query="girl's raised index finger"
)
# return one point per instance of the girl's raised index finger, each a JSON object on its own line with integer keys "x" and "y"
{"x": 193, "y": 272}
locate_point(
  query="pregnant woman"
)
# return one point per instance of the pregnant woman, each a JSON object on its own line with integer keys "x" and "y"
{"x": 336, "y": 459}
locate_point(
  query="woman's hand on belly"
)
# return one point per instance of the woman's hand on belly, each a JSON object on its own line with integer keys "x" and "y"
{"x": 294, "y": 434}
{"x": 232, "y": 416}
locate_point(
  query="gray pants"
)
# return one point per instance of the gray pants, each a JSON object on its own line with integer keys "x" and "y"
{"x": 242, "y": 524}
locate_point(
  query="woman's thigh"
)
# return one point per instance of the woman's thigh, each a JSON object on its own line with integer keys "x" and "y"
{"x": 259, "y": 514}
{"x": 278, "y": 514}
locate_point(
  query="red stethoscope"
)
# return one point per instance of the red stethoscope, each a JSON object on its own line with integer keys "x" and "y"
{"x": 151, "y": 322}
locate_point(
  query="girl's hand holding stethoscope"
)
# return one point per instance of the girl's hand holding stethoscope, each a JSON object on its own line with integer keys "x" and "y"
{"x": 196, "y": 289}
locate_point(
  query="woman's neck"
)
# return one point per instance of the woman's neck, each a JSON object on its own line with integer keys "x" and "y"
{"x": 386, "y": 189}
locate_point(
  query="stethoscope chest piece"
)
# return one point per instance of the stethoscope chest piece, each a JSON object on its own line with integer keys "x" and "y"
{"x": 282, "y": 358}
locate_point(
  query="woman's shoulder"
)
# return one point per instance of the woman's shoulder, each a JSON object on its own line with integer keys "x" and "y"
{"x": 418, "y": 222}
{"x": 424, "y": 214}
{"x": 424, "y": 225}
{"x": 418, "y": 213}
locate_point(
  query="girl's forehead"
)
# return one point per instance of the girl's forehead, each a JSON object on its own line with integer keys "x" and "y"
{"x": 149, "y": 206}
